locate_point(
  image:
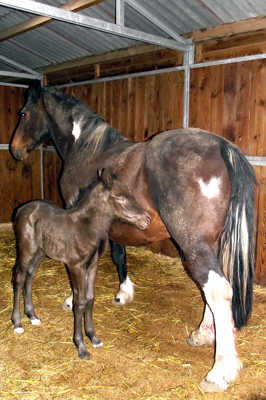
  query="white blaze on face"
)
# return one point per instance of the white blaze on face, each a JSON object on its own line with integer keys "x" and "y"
{"x": 76, "y": 130}
{"x": 210, "y": 189}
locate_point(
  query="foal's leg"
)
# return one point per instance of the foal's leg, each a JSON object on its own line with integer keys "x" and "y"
{"x": 31, "y": 272}
{"x": 78, "y": 279}
{"x": 89, "y": 326}
{"x": 125, "y": 294}
{"x": 205, "y": 333}
{"x": 18, "y": 279}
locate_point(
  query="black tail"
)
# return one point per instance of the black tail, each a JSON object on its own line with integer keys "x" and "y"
{"x": 236, "y": 248}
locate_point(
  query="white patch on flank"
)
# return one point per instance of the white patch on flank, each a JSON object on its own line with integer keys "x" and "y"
{"x": 210, "y": 189}
{"x": 19, "y": 330}
{"x": 126, "y": 292}
{"x": 76, "y": 130}
{"x": 35, "y": 321}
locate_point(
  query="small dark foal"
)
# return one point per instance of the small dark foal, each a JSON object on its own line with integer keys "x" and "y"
{"x": 76, "y": 237}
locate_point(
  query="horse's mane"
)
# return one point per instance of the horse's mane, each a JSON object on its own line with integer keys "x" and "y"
{"x": 84, "y": 192}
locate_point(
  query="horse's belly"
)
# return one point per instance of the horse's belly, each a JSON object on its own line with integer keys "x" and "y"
{"x": 128, "y": 235}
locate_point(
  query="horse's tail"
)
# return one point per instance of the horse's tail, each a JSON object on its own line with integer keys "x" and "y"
{"x": 236, "y": 247}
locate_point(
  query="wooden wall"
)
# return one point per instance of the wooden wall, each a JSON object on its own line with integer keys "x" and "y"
{"x": 19, "y": 181}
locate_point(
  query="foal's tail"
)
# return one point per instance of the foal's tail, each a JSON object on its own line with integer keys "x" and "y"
{"x": 236, "y": 248}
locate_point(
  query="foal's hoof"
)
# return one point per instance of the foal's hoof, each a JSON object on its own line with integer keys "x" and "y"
{"x": 84, "y": 355}
{"x": 96, "y": 342}
{"x": 211, "y": 387}
{"x": 35, "y": 321}
{"x": 19, "y": 330}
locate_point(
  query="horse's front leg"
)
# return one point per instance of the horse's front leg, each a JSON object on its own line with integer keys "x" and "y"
{"x": 125, "y": 295}
{"x": 78, "y": 278}
{"x": 89, "y": 326}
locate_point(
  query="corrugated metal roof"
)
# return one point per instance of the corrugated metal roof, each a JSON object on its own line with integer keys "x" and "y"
{"x": 58, "y": 41}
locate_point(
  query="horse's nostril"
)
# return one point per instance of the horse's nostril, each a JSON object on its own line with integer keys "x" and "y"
{"x": 17, "y": 154}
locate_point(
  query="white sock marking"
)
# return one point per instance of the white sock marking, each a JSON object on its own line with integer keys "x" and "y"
{"x": 126, "y": 292}
{"x": 210, "y": 189}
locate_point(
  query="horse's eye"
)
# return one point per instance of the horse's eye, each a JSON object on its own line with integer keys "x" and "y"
{"x": 22, "y": 115}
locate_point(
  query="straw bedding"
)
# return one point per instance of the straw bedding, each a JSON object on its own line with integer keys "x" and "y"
{"x": 145, "y": 354}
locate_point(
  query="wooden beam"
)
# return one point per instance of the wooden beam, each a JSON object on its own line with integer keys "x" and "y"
{"x": 230, "y": 29}
{"x": 113, "y": 55}
{"x": 72, "y": 5}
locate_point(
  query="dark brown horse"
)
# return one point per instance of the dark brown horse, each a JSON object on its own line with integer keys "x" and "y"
{"x": 76, "y": 237}
{"x": 198, "y": 189}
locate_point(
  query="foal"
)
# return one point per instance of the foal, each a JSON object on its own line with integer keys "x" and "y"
{"x": 76, "y": 237}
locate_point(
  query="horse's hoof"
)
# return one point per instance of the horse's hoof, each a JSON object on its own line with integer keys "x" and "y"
{"x": 125, "y": 294}
{"x": 68, "y": 304}
{"x": 35, "y": 321}
{"x": 19, "y": 330}
{"x": 198, "y": 338}
{"x": 211, "y": 387}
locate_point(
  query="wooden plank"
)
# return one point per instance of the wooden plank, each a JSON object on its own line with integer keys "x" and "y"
{"x": 51, "y": 172}
{"x": 229, "y": 29}
{"x": 11, "y": 100}
{"x": 19, "y": 182}
{"x": 36, "y": 22}
{"x": 261, "y": 226}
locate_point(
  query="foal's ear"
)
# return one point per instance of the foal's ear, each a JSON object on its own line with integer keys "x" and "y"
{"x": 106, "y": 177}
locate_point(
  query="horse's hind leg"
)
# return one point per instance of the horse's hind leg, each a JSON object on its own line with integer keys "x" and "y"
{"x": 125, "y": 295}
{"x": 204, "y": 266}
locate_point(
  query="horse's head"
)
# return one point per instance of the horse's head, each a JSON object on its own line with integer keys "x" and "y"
{"x": 32, "y": 127}
{"x": 125, "y": 206}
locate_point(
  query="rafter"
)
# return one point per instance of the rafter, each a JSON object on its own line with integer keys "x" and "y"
{"x": 72, "y": 5}
{"x": 88, "y": 22}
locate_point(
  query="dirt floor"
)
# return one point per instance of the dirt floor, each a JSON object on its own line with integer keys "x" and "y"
{"x": 145, "y": 354}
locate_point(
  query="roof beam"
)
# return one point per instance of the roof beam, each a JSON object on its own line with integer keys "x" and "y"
{"x": 88, "y": 22}
{"x": 147, "y": 14}
{"x": 20, "y": 66}
{"x": 72, "y": 5}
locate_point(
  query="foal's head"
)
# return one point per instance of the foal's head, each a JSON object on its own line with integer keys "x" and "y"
{"x": 123, "y": 204}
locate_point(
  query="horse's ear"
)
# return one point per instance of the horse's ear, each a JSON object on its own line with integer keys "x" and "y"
{"x": 35, "y": 89}
{"x": 106, "y": 177}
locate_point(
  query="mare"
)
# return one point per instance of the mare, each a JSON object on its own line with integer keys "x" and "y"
{"x": 198, "y": 189}
{"x": 76, "y": 237}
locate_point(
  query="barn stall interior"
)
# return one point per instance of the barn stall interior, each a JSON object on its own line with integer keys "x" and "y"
{"x": 198, "y": 65}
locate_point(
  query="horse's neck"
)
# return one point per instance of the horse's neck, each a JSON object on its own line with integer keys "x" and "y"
{"x": 74, "y": 126}
{"x": 95, "y": 208}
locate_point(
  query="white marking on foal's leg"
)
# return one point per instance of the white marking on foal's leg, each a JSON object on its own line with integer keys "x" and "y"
{"x": 19, "y": 330}
{"x": 205, "y": 334}
{"x": 125, "y": 294}
{"x": 68, "y": 303}
{"x": 218, "y": 293}
{"x": 35, "y": 321}
{"x": 98, "y": 345}
{"x": 210, "y": 189}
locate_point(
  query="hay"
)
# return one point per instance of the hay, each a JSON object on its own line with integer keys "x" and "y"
{"x": 145, "y": 355}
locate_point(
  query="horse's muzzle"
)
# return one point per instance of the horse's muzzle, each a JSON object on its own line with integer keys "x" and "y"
{"x": 17, "y": 154}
